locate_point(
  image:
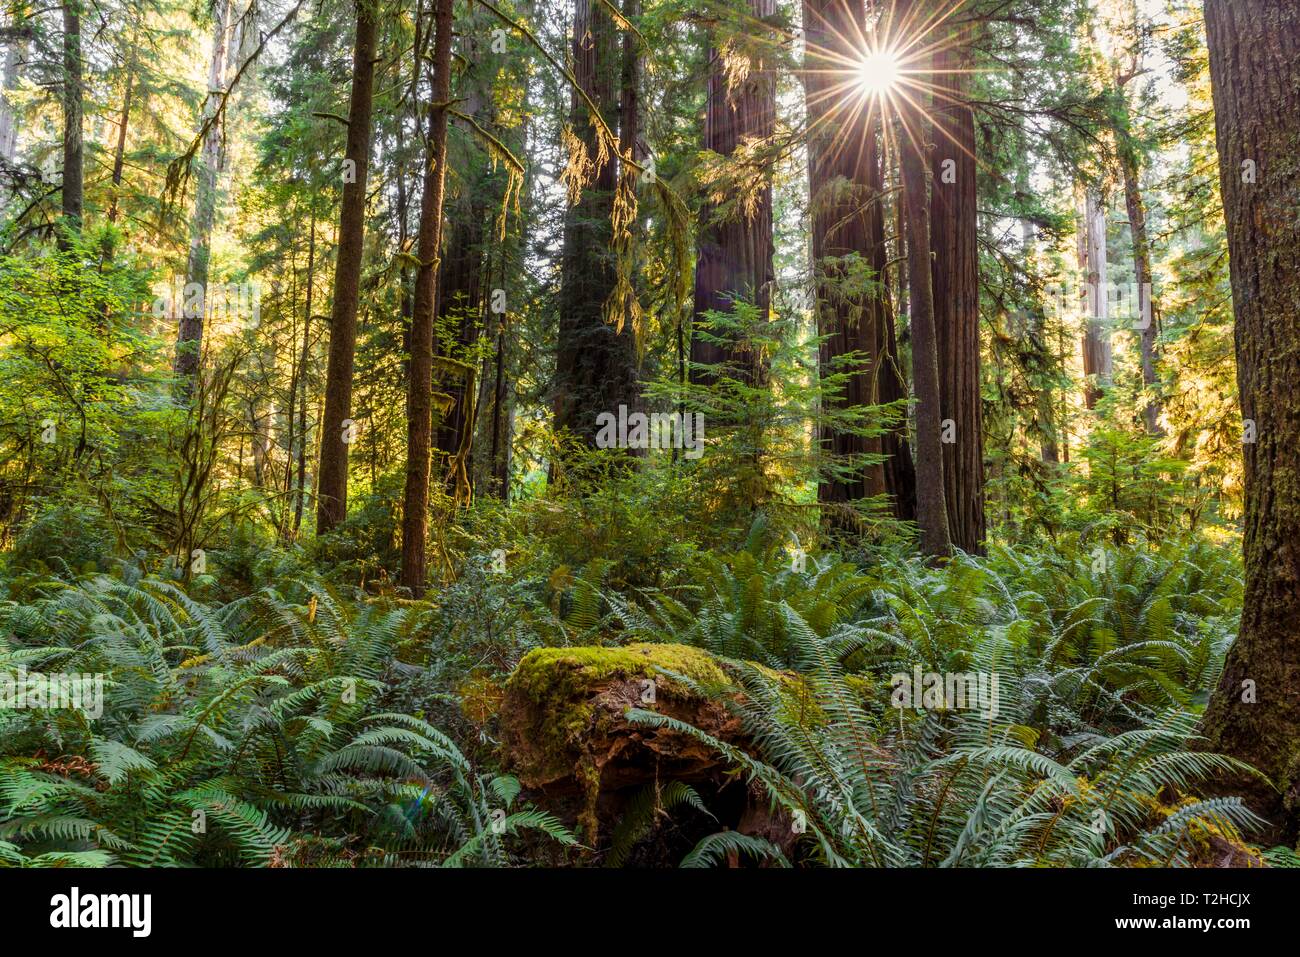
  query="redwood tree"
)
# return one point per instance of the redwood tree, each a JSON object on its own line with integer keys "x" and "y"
{"x": 847, "y": 233}
{"x": 955, "y": 274}
{"x": 596, "y": 360}
{"x": 914, "y": 139}
{"x": 332, "y": 477}
{"x": 1093, "y": 265}
{"x": 734, "y": 246}
{"x": 1254, "y": 45}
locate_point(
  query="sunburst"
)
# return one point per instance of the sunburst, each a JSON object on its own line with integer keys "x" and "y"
{"x": 861, "y": 69}
{"x": 878, "y": 72}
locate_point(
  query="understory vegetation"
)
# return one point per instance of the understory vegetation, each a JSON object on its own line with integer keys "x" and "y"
{"x": 307, "y": 722}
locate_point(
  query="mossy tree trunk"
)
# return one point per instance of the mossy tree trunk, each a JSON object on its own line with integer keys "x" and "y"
{"x": 1254, "y": 713}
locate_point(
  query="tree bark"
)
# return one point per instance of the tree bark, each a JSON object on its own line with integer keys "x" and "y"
{"x": 461, "y": 279}
{"x": 596, "y": 362}
{"x": 900, "y": 470}
{"x": 1255, "y": 74}
{"x": 955, "y": 277}
{"x": 1146, "y": 318}
{"x": 119, "y": 151}
{"x": 189, "y": 337}
{"x": 73, "y": 149}
{"x": 1044, "y": 404}
{"x": 1092, "y": 262}
{"x": 15, "y": 47}
{"x": 332, "y": 478}
{"x": 931, "y": 509}
{"x": 299, "y": 383}
{"x": 734, "y": 255}
{"x": 847, "y": 235}
{"x": 419, "y": 405}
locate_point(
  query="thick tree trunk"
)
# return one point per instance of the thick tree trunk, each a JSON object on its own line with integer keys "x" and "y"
{"x": 595, "y": 362}
{"x": 332, "y": 477}
{"x": 189, "y": 337}
{"x": 931, "y": 509}
{"x": 629, "y": 135}
{"x": 419, "y": 405}
{"x": 461, "y": 280}
{"x": 955, "y": 275}
{"x": 73, "y": 149}
{"x": 460, "y": 311}
{"x": 1092, "y": 263}
{"x": 1254, "y": 713}
{"x": 847, "y": 233}
{"x": 734, "y": 255}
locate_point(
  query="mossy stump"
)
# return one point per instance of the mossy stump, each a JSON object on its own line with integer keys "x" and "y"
{"x": 565, "y": 733}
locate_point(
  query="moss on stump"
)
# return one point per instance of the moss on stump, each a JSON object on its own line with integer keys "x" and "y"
{"x": 565, "y": 733}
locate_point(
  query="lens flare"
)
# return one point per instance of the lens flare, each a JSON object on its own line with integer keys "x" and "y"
{"x": 878, "y": 72}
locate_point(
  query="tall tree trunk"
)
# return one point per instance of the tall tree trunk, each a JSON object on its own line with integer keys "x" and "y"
{"x": 119, "y": 151}
{"x": 1146, "y": 316}
{"x": 847, "y": 232}
{"x": 1044, "y": 407}
{"x": 460, "y": 310}
{"x": 332, "y": 476}
{"x": 629, "y": 136}
{"x": 460, "y": 279}
{"x": 296, "y": 441}
{"x": 734, "y": 255}
{"x": 501, "y": 421}
{"x": 73, "y": 149}
{"x": 15, "y": 49}
{"x": 509, "y": 251}
{"x": 1254, "y": 714}
{"x": 900, "y": 470}
{"x": 931, "y": 510}
{"x": 189, "y": 337}
{"x": 955, "y": 276}
{"x": 595, "y": 363}
{"x": 1092, "y": 263}
{"x": 419, "y": 404}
